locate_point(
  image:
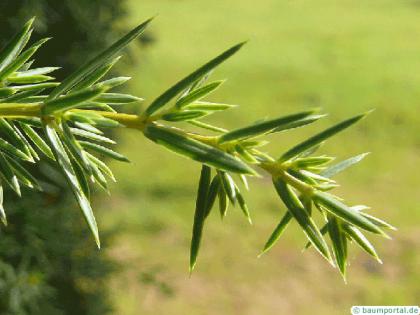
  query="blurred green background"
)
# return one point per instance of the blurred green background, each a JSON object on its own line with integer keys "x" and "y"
{"x": 346, "y": 57}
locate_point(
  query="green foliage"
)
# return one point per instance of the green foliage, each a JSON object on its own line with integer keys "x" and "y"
{"x": 196, "y": 149}
{"x": 57, "y": 285}
{"x": 97, "y": 63}
{"x": 303, "y": 216}
{"x": 79, "y": 28}
{"x": 264, "y": 127}
{"x": 201, "y": 210}
{"x": 83, "y": 102}
{"x": 190, "y": 81}
{"x": 45, "y": 268}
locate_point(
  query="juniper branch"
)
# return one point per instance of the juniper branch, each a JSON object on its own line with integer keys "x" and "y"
{"x": 63, "y": 120}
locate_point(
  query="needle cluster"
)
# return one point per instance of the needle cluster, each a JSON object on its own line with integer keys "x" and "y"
{"x": 41, "y": 118}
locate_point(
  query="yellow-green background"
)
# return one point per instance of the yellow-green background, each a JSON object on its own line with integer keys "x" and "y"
{"x": 345, "y": 56}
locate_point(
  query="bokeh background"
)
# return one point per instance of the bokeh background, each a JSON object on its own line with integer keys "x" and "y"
{"x": 346, "y": 57}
